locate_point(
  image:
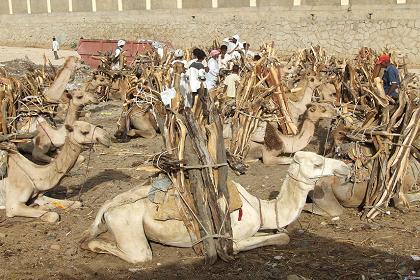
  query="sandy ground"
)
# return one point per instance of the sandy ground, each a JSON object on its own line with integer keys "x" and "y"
{"x": 34, "y": 54}
{"x": 320, "y": 248}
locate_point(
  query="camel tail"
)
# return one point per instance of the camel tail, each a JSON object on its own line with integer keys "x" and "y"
{"x": 127, "y": 197}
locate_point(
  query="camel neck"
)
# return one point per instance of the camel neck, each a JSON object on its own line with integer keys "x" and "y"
{"x": 289, "y": 204}
{"x": 307, "y": 95}
{"x": 72, "y": 113}
{"x": 302, "y": 139}
{"x": 45, "y": 177}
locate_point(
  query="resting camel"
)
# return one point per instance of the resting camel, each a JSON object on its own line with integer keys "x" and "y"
{"x": 48, "y": 136}
{"x": 138, "y": 121}
{"x": 332, "y": 194}
{"x": 297, "y": 108}
{"x": 129, "y": 216}
{"x": 26, "y": 181}
{"x": 275, "y": 144}
{"x": 55, "y": 91}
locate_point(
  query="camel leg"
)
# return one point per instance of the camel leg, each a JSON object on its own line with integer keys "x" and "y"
{"x": 324, "y": 201}
{"x": 16, "y": 206}
{"x": 49, "y": 203}
{"x": 413, "y": 197}
{"x": 142, "y": 133}
{"x": 126, "y": 224}
{"x": 40, "y": 153}
{"x": 271, "y": 158}
{"x": 314, "y": 209}
{"x": 20, "y": 209}
{"x": 260, "y": 241}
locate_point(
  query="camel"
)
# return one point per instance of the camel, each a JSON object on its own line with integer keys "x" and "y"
{"x": 48, "y": 136}
{"x": 303, "y": 98}
{"x": 297, "y": 108}
{"x": 26, "y": 181}
{"x": 275, "y": 144}
{"x": 129, "y": 216}
{"x": 331, "y": 194}
{"x": 138, "y": 121}
{"x": 56, "y": 89}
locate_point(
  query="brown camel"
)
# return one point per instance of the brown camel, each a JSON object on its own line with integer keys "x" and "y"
{"x": 276, "y": 144}
{"x": 138, "y": 121}
{"x": 49, "y": 137}
{"x": 56, "y": 89}
{"x": 332, "y": 194}
{"x": 25, "y": 180}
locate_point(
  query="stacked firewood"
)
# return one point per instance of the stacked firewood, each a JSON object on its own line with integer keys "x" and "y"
{"x": 21, "y": 96}
{"x": 376, "y": 131}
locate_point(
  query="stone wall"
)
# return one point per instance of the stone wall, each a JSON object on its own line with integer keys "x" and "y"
{"x": 340, "y": 30}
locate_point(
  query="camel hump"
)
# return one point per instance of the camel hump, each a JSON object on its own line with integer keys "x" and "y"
{"x": 271, "y": 138}
{"x": 235, "y": 201}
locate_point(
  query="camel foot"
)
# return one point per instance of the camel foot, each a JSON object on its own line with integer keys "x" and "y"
{"x": 50, "y": 217}
{"x": 131, "y": 133}
{"x": 277, "y": 160}
{"x": 48, "y": 203}
{"x": 103, "y": 247}
{"x": 260, "y": 241}
{"x": 81, "y": 159}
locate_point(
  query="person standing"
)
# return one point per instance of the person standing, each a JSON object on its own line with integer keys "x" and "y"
{"x": 212, "y": 76}
{"x": 55, "y": 48}
{"x": 196, "y": 73}
{"x": 117, "y": 59}
{"x": 231, "y": 82}
{"x": 391, "y": 78}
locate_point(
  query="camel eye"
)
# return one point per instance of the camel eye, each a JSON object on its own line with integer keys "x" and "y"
{"x": 85, "y": 132}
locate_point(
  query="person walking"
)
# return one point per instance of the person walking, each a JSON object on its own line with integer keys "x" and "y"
{"x": 55, "y": 48}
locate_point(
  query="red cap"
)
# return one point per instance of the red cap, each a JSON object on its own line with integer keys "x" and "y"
{"x": 383, "y": 58}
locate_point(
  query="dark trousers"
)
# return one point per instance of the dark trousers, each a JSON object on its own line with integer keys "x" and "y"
{"x": 56, "y": 55}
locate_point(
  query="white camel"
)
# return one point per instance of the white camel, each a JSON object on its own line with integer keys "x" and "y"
{"x": 27, "y": 181}
{"x": 129, "y": 216}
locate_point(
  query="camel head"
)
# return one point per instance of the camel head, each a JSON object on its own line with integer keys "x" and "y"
{"x": 99, "y": 80}
{"x": 313, "y": 80}
{"x": 327, "y": 92}
{"x": 85, "y": 133}
{"x": 308, "y": 167}
{"x": 318, "y": 111}
{"x": 82, "y": 98}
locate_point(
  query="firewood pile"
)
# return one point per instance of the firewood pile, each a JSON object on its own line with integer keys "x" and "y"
{"x": 194, "y": 158}
{"x": 376, "y": 132}
{"x": 123, "y": 81}
{"x": 21, "y": 96}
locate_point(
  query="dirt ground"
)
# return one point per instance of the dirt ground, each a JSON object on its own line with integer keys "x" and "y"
{"x": 34, "y": 54}
{"x": 320, "y": 248}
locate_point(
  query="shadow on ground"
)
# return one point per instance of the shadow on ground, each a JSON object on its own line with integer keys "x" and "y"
{"x": 308, "y": 255}
{"x": 92, "y": 181}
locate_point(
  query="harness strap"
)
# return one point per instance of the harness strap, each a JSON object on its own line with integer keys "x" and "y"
{"x": 261, "y": 215}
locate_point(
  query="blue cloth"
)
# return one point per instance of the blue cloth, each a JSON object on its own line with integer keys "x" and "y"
{"x": 161, "y": 183}
{"x": 390, "y": 77}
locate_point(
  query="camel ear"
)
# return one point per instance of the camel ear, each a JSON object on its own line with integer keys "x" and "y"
{"x": 311, "y": 107}
{"x": 318, "y": 161}
{"x": 68, "y": 95}
{"x": 69, "y": 128}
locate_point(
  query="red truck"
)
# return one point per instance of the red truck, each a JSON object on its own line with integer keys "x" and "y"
{"x": 88, "y": 48}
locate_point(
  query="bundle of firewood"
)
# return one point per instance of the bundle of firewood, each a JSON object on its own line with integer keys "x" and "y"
{"x": 22, "y": 96}
{"x": 378, "y": 129}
